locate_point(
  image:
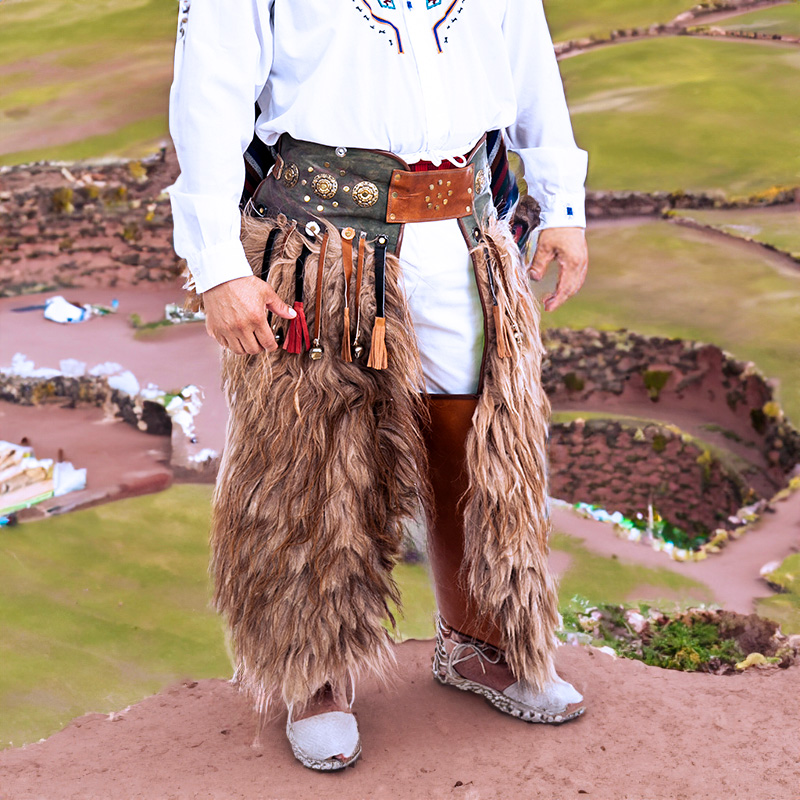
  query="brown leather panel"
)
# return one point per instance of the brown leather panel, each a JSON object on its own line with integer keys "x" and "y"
{"x": 450, "y": 422}
{"x": 433, "y": 195}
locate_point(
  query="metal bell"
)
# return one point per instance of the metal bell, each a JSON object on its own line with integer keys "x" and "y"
{"x": 358, "y": 350}
{"x": 316, "y": 352}
{"x": 278, "y": 334}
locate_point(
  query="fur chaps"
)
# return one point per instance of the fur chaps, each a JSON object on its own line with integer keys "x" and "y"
{"x": 506, "y": 512}
{"x": 324, "y": 461}
{"x": 322, "y": 464}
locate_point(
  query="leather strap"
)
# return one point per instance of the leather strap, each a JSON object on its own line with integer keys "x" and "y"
{"x": 348, "y": 234}
{"x": 323, "y": 249}
{"x": 362, "y": 245}
{"x": 429, "y": 196}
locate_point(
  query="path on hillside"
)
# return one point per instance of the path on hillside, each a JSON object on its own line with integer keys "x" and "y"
{"x": 648, "y": 733}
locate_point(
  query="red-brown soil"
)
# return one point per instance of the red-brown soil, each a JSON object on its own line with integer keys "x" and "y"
{"x": 648, "y": 733}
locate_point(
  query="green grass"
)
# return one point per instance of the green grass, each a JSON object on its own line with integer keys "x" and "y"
{"x": 597, "y": 579}
{"x": 661, "y": 279}
{"x": 784, "y": 608}
{"x": 783, "y": 19}
{"x": 777, "y": 227}
{"x": 103, "y": 607}
{"x": 575, "y": 19}
{"x": 681, "y": 113}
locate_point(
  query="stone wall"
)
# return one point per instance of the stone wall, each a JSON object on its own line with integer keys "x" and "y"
{"x": 621, "y": 467}
{"x": 146, "y": 415}
{"x": 604, "y": 205}
{"x": 589, "y": 369}
{"x": 77, "y": 225}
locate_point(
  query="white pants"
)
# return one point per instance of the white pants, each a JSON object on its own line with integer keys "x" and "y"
{"x": 445, "y": 305}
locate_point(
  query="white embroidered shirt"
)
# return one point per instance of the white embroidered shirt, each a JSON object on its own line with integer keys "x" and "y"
{"x": 420, "y": 78}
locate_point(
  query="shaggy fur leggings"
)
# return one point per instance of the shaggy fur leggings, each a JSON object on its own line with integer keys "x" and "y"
{"x": 326, "y": 460}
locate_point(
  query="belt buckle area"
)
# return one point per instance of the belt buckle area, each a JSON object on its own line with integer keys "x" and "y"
{"x": 430, "y": 195}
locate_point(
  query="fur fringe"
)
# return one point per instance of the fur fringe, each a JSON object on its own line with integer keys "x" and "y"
{"x": 321, "y": 467}
{"x": 506, "y": 513}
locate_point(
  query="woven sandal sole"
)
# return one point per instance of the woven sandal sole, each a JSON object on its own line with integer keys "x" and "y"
{"x": 500, "y": 701}
{"x": 324, "y": 765}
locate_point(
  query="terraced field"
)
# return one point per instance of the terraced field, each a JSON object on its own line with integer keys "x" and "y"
{"x": 681, "y": 113}
{"x": 777, "y": 227}
{"x": 574, "y": 19}
{"x": 81, "y": 79}
{"x": 783, "y": 19}
{"x": 663, "y": 279}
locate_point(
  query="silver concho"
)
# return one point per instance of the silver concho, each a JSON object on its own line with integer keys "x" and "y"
{"x": 324, "y": 185}
{"x": 365, "y": 194}
{"x": 290, "y": 175}
{"x": 481, "y": 180}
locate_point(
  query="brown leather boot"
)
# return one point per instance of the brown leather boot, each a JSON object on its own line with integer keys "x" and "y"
{"x": 450, "y": 421}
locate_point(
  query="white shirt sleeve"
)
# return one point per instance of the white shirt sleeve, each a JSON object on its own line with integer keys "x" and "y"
{"x": 555, "y": 168}
{"x": 222, "y": 61}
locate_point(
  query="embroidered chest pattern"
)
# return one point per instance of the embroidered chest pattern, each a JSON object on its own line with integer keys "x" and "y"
{"x": 378, "y": 23}
{"x": 445, "y": 23}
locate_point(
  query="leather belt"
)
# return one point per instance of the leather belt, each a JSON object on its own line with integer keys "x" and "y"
{"x": 371, "y": 190}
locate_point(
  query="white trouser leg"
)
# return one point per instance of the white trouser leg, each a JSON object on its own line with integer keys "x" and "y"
{"x": 445, "y": 305}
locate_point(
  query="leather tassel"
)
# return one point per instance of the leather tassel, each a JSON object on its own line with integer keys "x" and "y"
{"x": 501, "y": 332}
{"x": 348, "y": 234}
{"x": 298, "y": 331}
{"x": 347, "y": 354}
{"x": 378, "y": 358}
{"x": 298, "y": 328}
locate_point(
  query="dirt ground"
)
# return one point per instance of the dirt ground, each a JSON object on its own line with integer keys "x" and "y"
{"x": 648, "y": 734}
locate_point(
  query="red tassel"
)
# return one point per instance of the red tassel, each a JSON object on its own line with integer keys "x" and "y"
{"x": 298, "y": 332}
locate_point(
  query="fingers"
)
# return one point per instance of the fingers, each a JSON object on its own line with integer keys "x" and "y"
{"x": 544, "y": 254}
{"x": 571, "y": 276}
{"x": 276, "y": 305}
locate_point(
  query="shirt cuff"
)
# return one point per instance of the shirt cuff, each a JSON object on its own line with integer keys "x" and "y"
{"x": 218, "y": 264}
{"x": 563, "y": 211}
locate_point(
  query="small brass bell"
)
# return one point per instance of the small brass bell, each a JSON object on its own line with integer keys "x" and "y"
{"x": 358, "y": 350}
{"x": 316, "y": 352}
{"x": 278, "y": 334}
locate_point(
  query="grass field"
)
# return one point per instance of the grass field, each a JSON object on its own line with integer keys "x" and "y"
{"x": 783, "y": 19}
{"x": 773, "y": 226}
{"x": 574, "y": 19}
{"x": 103, "y": 607}
{"x": 682, "y": 113}
{"x": 80, "y": 79}
{"x": 661, "y": 279}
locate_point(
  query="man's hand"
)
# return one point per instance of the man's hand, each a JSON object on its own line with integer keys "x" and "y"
{"x": 568, "y": 247}
{"x": 236, "y": 314}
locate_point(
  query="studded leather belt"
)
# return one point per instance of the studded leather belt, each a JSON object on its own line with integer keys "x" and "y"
{"x": 378, "y": 189}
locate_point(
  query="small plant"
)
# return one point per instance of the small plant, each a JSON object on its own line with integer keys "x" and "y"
{"x": 654, "y": 381}
{"x": 62, "y": 200}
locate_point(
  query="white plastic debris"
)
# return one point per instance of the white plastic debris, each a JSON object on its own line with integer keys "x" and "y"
{"x": 183, "y": 408}
{"x": 66, "y": 478}
{"x": 23, "y": 367}
{"x": 106, "y": 368}
{"x": 59, "y": 309}
{"x": 124, "y": 382}
{"x": 72, "y": 368}
{"x": 205, "y": 456}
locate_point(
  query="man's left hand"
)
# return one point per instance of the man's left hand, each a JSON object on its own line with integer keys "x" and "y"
{"x": 568, "y": 247}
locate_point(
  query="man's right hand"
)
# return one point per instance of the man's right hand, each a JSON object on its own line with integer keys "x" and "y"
{"x": 236, "y": 314}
